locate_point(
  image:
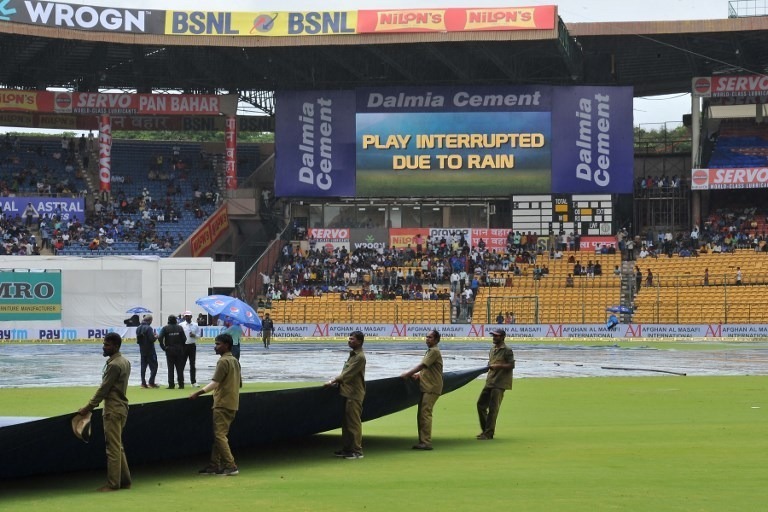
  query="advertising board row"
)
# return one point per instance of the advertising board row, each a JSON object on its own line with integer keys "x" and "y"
{"x": 454, "y": 141}
{"x": 43, "y": 331}
{"x": 186, "y": 123}
{"x": 495, "y": 239}
{"x": 275, "y": 23}
{"x": 93, "y": 103}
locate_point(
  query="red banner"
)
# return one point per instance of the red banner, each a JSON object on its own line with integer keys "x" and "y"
{"x": 456, "y": 20}
{"x": 204, "y": 238}
{"x": 230, "y": 146}
{"x": 495, "y": 239}
{"x": 591, "y": 243}
{"x": 95, "y": 103}
{"x": 105, "y": 154}
{"x": 729, "y": 86}
{"x": 719, "y": 179}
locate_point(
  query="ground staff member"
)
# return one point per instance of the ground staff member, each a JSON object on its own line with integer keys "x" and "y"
{"x": 351, "y": 384}
{"x": 114, "y": 384}
{"x": 225, "y": 384}
{"x": 501, "y": 362}
{"x": 172, "y": 340}
{"x": 267, "y": 330}
{"x": 429, "y": 373}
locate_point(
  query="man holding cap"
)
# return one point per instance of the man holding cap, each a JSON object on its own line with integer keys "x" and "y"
{"x": 192, "y": 330}
{"x": 429, "y": 374}
{"x": 501, "y": 362}
{"x": 114, "y": 384}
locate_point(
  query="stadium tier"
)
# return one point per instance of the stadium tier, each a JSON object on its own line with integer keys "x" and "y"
{"x": 678, "y": 294}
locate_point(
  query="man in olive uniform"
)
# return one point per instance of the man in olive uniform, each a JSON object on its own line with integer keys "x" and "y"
{"x": 172, "y": 340}
{"x": 267, "y": 330}
{"x": 501, "y": 362}
{"x": 225, "y": 384}
{"x": 429, "y": 373}
{"x": 351, "y": 384}
{"x": 114, "y": 384}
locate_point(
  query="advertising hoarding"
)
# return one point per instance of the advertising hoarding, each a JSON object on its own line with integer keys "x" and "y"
{"x": 459, "y": 141}
{"x": 30, "y": 296}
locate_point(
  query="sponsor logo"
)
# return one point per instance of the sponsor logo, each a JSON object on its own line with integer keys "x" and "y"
{"x": 22, "y": 290}
{"x": 18, "y": 100}
{"x": 86, "y": 17}
{"x": 699, "y": 177}
{"x": 754, "y": 84}
{"x": 5, "y": 11}
{"x": 312, "y": 23}
{"x": 264, "y": 23}
{"x": 13, "y": 334}
{"x": 701, "y": 85}
{"x": 200, "y": 22}
{"x": 329, "y": 234}
{"x": 62, "y": 102}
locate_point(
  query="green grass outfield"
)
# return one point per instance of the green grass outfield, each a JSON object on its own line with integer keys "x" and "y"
{"x": 586, "y": 444}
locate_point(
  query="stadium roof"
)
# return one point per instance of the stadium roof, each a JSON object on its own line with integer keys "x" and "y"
{"x": 653, "y": 57}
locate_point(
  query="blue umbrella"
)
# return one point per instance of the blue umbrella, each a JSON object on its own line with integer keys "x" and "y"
{"x": 620, "y": 309}
{"x": 230, "y": 309}
{"x": 137, "y": 310}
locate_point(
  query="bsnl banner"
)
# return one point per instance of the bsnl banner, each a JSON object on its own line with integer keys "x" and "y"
{"x": 455, "y": 141}
{"x": 274, "y": 23}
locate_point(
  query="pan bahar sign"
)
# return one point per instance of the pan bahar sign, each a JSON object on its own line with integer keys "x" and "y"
{"x": 454, "y": 141}
{"x": 30, "y": 296}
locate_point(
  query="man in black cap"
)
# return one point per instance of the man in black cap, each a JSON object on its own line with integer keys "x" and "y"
{"x": 172, "y": 340}
{"x": 501, "y": 362}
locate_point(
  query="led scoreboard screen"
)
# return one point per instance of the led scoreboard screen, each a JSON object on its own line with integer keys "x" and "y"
{"x": 587, "y": 214}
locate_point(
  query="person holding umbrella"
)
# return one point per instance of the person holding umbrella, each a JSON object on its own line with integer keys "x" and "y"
{"x": 234, "y": 314}
{"x": 235, "y": 332}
